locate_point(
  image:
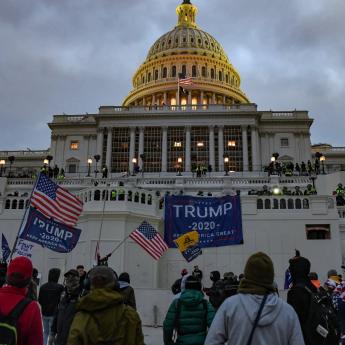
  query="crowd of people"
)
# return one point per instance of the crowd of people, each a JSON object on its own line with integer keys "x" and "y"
{"x": 290, "y": 169}
{"x": 99, "y": 307}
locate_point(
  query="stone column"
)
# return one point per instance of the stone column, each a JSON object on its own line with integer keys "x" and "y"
{"x": 141, "y": 146}
{"x": 100, "y": 138}
{"x": 201, "y": 97}
{"x": 165, "y": 98}
{"x": 131, "y": 148}
{"x": 220, "y": 148}
{"x": 62, "y": 150}
{"x": 109, "y": 148}
{"x": 212, "y": 161}
{"x": 213, "y": 98}
{"x": 187, "y": 154}
{"x": 177, "y": 99}
{"x": 189, "y": 101}
{"x": 245, "y": 148}
{"x": 53, "y": 149}
{"x": 165, "y": 149}
{"x": 255, "y": 149}
{"x": 153, "y": 99}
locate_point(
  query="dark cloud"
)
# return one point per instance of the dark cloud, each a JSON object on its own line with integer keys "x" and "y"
{"x": 73, "y": 56}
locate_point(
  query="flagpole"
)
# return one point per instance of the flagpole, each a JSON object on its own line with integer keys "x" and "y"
{"x": 21, "y": 224}
{"x": 178, "y": 91}
{"x": 102, "y": 218}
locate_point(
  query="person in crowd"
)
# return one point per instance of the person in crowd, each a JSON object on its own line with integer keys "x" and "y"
{"x": 104, "y": 171}
{"x": 33, "y": 288}
{"x": 190, "y": 315}
{"x": 297, "y": 191}
{"x": 256, "y": 315}
{"x": 212, "y": 291}
{"x": 176, "y": 287}
{"x": 126, "y": 290}
{"x": 55, "y": 171}
{"x": 197, "y": 273}
{"x": 297, "y": 169}
{"x": 82, "y": 275}
{"x": 12, "y": 295}
{"x": 3, "y": 271}
{"x": 314, "y": 278}
{"x": 333, "y": 276}
{"x": 310, "y": 190}
{"x": 49, "y": 297}
{"x": 303, "y": 169}
{"x": 102, "y": 317}
{"x": 66, "y": 309}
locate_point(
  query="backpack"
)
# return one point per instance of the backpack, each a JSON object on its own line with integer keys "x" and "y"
{"x": 221, "y": 290}
{"x": 322, "y": 326}
{"x": 8, "y": 323}
{"x": 176, "y": 287}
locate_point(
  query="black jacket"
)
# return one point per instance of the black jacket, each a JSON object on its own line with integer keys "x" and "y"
{"x": 50, "y": 293}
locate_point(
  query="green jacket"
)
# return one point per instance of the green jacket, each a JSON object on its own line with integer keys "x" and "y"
{"x": 102, "y": 316}
{"x": 192, "y": 321}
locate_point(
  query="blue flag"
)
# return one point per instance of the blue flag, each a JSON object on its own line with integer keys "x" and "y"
{"x": 48, "y": 233}
{"x": 288, "y": 280}
{"x": 6, "y": 251}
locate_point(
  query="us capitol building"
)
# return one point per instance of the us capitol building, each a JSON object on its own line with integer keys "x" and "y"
{"x": 158, "y": 141}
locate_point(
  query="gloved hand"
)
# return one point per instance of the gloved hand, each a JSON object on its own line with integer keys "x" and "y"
{"x": 52, "y": 339}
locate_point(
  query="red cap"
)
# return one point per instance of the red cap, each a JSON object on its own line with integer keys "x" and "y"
{"x": 19, "y": 272}
{"x": 184, "y": 272}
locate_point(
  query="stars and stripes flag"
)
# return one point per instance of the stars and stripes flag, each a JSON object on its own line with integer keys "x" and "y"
{"x": 149, "y": 239}
{"x": 185, "y": 81}
{"x": 56, "y": 202}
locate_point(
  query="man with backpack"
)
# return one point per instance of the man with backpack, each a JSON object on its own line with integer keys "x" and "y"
{"x": 256, "y": 315}
{"x": 20, "y": 317}
{"x": 102, "y": 317}
{"x": 313, "y": 306}
{"x": 190, "y": 316}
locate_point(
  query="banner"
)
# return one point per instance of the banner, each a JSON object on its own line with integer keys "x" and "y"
{"x": 217, "y": 220}
{"x": 24, "y": 248}
{"x": 49, "y": 233}
{"x": 6, "y": 251}
{"x": 188, "y": 244}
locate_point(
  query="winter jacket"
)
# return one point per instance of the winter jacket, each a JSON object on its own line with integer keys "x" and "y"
{"x": 127, "y": 293}
{"x": 50, "y": 293}
{"x": 192, "y": 319}
{"x": 278, "y": 324}
{"x": 64, "y": 317}
{"x": 102, "y": 316}
{"x": 29, "y": 326}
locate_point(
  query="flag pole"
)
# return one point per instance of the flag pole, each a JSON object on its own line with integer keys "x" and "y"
{"x": 178, "y": 91}
{"x": 21, "y": 224}
{"x": 102, "y": 218}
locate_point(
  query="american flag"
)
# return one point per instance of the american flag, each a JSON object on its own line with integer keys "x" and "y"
{"x": 56, "y": 202}
{"x": 149, "y": 239}
{"x": 186, "y": 81}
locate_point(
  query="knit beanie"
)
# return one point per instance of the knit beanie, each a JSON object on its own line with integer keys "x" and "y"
{"x": 258, "y": 275}
{"x": 192, "y": 283}
{"x": 19, "y": 272}
{"x": 102, "y": 277}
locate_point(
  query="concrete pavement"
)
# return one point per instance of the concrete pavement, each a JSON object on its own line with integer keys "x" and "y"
{"x": 153, "y": 336}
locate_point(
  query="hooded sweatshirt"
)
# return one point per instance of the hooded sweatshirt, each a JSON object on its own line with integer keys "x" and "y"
{"x": 103, "y": 318}
{"x": 234, "y": 320}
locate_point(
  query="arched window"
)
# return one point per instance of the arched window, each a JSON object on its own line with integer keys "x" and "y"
{"x": 97, "y": 196}
{"x": 149, "y": 199}
{"x": 129, "y": 195}
{"x": 203, "y": 71}
{"x": 21, "y": 204}
{"x": 267, "y": 203}
{"x": 282, "y": 204}
{"x": 275, "y": 204}
{"x": 7, "y": 204}
{"x": 220, "y": 76}
{"x": 193, "y": 71}
{"x": 143, "y": 198}
{"x": 298, "y": 204}
{"x": 259, "y": 204}
{"x": 149, "y": 77}
{"x": 156, "y": 74}
{"x": 14, "y": 204}
{"x": 212, "y": 73}
{"x": 290, "y": 204}
{"x": 227, "y": 78}
{"x": 184, "y": 70}
{"x": 173, "y": 71}
{"x": 165, "y": 72}
{"x": 143, "y": 79}
{"x": 305, "y": 203}
{"x": 113, "y": 195}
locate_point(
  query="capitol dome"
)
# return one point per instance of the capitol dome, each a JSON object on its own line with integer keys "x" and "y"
{"x": 186, "y": 51}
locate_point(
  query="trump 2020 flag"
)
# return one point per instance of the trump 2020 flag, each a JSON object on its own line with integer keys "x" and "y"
{"x": 56, "y": 202}
{"x": 49, "y": 233}
{"x": 149, "y": 239}
{"x": 6, "y": 251}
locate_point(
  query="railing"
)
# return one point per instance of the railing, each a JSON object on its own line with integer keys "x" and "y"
{"x": 24, "y": 153}
{"x": 282, "y": 202}
{"x": 341, "y": 211}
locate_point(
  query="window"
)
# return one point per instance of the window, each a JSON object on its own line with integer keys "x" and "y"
{"x": 220, "y": 76}
{"x": 318, "y": 232}
{"x": 74, "y": 145}
{"x": 72, "y": 168}
{"x": 259, "y": 204}
{"x": 194, "y": 71}
{"x": 212, "y": 73}
{"x": 284, "y": 142}
{"x": 184, "y": 70}
{"x": 267, "y": 203}
{"x": 156, "y": 74}
{"x": 203, "y": 71}
{"x": 149, "y": 77}
{"x": 173, "y": 71}
{"x": 164, "y": 72}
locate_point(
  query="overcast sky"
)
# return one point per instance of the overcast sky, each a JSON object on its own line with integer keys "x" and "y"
{"x": 72, "y": 56}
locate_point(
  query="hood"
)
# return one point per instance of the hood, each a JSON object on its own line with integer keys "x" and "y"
{"x": 251, "y": 305}
{"x": 300, "y": 269}
{"x": 191, "y": 297}
{"x": 99, "y": 299}
{"x": 54, "y": 275}
{"x": 123, "y": 284}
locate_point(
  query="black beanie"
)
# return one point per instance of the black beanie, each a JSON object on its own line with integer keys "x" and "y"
{"x": 125, "y": 277}
{"x": 193, "y": 284}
